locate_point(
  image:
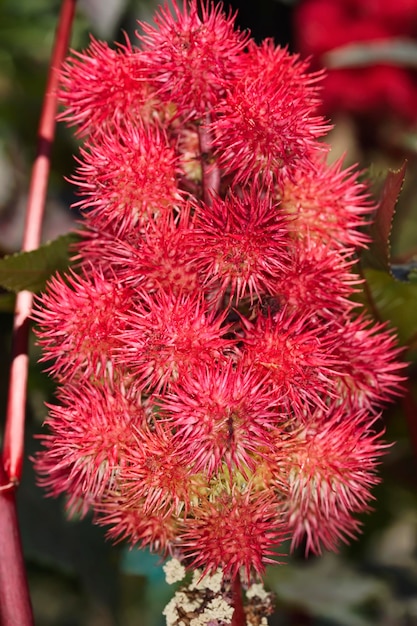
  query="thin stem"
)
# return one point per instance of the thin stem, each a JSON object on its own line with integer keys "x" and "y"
{"x": 210, "y": 171}
{"x": 15, "y": 606}
{"x": 370, "y": 301}
{"x": 239, "y": 618}
{"x": 15, "y": 417}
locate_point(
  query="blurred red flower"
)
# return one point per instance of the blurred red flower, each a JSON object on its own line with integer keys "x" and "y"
{"x": 380, "y": 83}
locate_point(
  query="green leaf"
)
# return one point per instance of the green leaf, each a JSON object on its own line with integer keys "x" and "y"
{"x": 327, "y": 589}
{"x": 396, "y": 302}
{"x": 379, "y": 254}
{"x": 31, "y": 270}
{"x": 7, "y": 302}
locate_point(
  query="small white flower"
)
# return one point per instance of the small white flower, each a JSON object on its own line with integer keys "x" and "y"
{"x": 257, "y": 590}
{"x": 174, "y": 571}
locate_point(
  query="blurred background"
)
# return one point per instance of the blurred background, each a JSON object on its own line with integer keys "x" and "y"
{"x": 369, "y": 50}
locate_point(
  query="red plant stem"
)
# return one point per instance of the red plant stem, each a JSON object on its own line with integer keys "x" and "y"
{"x": 239, "y": 618}
{"x": 15, "y": 417}
{"x": 15, "y": 606}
